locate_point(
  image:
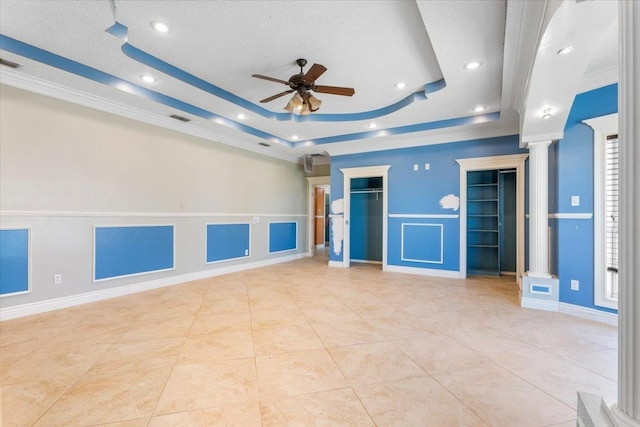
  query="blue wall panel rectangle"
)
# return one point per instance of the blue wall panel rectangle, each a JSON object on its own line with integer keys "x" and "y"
{"x": 227, "y": 241}
{"x": 124, "y": 251}
{"x": 422, "y": 243}
{"x": 14, "y": 261}
{"x": 283, "y": 236}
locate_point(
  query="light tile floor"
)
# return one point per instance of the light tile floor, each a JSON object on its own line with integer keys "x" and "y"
{"x": 303, "y": 344}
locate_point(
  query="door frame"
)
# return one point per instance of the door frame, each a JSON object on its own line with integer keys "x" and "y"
{"x": 512, "y": 161}
{"x": 364, "y": 172}
{"x": 312, "y": 183}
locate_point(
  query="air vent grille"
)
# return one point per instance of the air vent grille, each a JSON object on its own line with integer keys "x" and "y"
{"x": 8, "y": 63}
{"x": 177, "y": 117}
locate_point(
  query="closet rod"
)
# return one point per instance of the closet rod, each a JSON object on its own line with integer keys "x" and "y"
{"x": 371, "y": 190}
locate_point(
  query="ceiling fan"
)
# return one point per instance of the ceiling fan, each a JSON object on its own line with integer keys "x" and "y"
{"x": 302, "y": 101}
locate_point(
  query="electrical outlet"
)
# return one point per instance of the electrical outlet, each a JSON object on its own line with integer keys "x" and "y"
{"x": 57, "y": 279}
{"x": 575, "y": 200}
{"x": 415, "y": 167}
{"x": 575, "y": 285}
{"x": 246, "y": 252}
{"x": 427, "y": 166}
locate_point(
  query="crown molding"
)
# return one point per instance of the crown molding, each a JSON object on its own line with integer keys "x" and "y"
{"x": 599, "y": 79}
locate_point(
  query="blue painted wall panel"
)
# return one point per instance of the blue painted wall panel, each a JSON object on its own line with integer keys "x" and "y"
{"x": 123, "y": 251}
{"x": 283, "y": 236}
{"x": 422, "y": 243}
{"x": 227, "y": 241}
{"x": 14, "y": 261}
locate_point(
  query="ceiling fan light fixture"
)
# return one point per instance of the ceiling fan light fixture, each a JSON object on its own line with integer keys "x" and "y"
{"x": 314, "y": 103}
{"x": 305, "y": 111}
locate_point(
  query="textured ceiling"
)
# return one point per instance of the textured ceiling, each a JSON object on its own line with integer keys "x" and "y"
{"x": 203, "y": 66}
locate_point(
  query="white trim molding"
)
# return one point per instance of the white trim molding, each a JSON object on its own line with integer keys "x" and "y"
{"x": 431, "y": 272}
{"x": 588, "y": 313}
{"x": 512, "y": 161}
{"x": 425, "y": 261}
{"x": 70, "y": 214}
{"x": 425, "y": 216}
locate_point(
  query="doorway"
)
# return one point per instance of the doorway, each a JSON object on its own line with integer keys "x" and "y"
{"x": 350, "y": 174}
{"x": 515, "y": 162}
{"x": 491, "y": 222}
{"x": 366, "y": 220}
{"x": 313, "y": 183}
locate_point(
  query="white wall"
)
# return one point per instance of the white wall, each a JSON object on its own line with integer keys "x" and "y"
{"x": 65, "y": 168}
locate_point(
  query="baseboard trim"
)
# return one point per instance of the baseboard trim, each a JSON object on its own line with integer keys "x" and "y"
{"x": 424, "y": 271}
{"x": 571, "y": 310}
{"x": 539, "y": 304}
{"x": 338, "y": 264}
{"x": 588, "y": 313}
{"x": 73, "y": 300}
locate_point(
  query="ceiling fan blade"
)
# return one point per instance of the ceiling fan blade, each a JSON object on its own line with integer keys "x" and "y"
{"x": 335, "y": 90}
{"x": 314, "y": 72}
{"x": 271, "y": 79}
{"x": 271, "y": 98}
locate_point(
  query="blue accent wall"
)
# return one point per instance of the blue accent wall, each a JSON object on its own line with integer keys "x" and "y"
{"x": 571, "y": 164}
{"x": 419, "y": 193}
{"x": 227, "y": 241}
{"x": 283, "y": 236}
{"x": 14, "y": 261}
{"x": 124, "y": 251}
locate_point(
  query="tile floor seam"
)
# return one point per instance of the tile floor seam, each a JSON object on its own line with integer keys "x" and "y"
{"x": 255, "y": 357}
{"x": 175, "y": 362}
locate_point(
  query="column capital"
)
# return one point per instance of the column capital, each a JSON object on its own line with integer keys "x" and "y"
{"x": 542, "y": 143}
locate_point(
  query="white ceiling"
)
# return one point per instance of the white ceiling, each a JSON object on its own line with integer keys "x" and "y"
{"x": 367, "y": 45}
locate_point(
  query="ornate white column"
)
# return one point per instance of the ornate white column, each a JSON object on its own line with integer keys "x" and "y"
{"x": 592, "y": 410}
{"x": 628, "y": 406}
{"x": 539, "y": 209}
{"x": 540, "y": 290}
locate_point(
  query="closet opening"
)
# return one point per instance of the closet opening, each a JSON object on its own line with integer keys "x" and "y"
{"x": 491, "y": 222}
{"x": 365, "y": 227}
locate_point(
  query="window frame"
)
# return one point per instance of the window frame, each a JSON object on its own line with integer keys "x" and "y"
{"x": 602, "y": 127}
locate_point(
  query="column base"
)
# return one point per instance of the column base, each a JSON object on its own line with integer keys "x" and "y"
{"x": 540, "y": 293}
{"x": 594, "y": 411}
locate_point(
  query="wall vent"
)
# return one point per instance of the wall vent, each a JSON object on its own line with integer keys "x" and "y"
{"x": 8, "y": 63}
{"x": 264, "y": 144}
{"x": 177, "y": 117}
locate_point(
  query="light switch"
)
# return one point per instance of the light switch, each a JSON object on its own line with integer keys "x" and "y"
{"x": 575, "y": 200}
{"x": 575, "y": 285}
{"x": 427, "y": 166}
{"x": 415, "y": 167}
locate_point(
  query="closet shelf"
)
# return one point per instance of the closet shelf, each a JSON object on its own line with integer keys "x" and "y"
{"x": 483, "y": 246}
{"x": 482, "y": 200}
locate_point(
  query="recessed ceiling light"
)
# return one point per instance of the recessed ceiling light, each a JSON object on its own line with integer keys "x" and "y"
{"x": 148, "y": 78}
{"x": 373, "y": 125}
{"x": 565, "y": 50}
{"x": 479, "y": 108}
{"x": 471, "y": 65}
{"x": 400, "y": 85}
{"x": 241, "y": 116}
{"x": 294, "y": 137}
{"x": 160, "y": 27}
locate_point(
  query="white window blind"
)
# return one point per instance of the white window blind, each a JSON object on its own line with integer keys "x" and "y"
{"x": 611, "y": 215}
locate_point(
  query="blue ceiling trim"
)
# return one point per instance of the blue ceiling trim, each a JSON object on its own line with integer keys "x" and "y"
{"x": 188, "y": 78}
{"x": 118, "y": 30}
{"x": 28, "y": 51}
{"x": 419, "y": 127}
